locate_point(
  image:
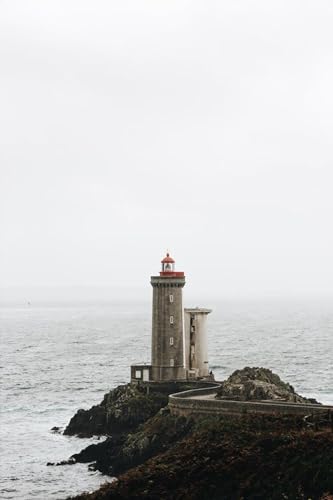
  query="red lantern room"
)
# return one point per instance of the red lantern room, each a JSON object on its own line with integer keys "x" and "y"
{"x": 168, "y": 264}
{"x": 168, "y": 267}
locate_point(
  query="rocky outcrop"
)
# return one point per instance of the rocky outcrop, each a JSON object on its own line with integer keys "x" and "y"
{"x": 123, "y": 409}
{"x": 136, "y": 422}
{"x": 155, "y": 454}
{"x": 120, "y": 453}
{"x": 227, "y": 459}
{"x": 258, "y": 384}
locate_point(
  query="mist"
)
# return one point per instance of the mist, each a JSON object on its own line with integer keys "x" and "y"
{"x": 131, "y": 128}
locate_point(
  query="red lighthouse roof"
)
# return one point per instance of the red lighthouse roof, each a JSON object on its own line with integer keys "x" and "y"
{"x": 168, "y": 268}
{"x": 167, "y": 259}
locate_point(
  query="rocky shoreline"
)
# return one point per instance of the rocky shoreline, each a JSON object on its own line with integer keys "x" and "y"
{"x": 157, "y": 455}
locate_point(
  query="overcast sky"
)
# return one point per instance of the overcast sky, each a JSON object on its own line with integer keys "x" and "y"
{"x": 132, "y": 127}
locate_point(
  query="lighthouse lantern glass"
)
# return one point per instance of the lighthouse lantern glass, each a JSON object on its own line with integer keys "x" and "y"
{"x": 168, "y": 267}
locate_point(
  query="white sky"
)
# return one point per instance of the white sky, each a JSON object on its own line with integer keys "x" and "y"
{"x": 130, "y": 127}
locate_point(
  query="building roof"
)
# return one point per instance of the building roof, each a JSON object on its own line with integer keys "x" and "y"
{"x": 197, "y": 310}
{"x": 167, "y": 260}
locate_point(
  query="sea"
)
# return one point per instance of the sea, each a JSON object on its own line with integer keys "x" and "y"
{"x": 59, "y": 357}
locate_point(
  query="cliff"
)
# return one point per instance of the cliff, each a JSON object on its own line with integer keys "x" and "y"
{"x": 130, "y": 417}
{"x": 124, "y": 408}
{"x": 157, "y": 455}
{"x": 121, "y": 410}
{"x": 222, "y": 459}
{"x": 118, "y": 454}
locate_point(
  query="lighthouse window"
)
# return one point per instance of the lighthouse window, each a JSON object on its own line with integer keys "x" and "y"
{"x": 171, "y": 298}
{"x": 171, "y": 320}
{"x": 172, "y": 362}
{"x": 171, "y": 340}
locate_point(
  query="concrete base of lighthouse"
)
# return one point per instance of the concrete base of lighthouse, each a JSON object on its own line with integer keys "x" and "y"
{"x": 162, "y": 373}
{"x": 150, "y": 373}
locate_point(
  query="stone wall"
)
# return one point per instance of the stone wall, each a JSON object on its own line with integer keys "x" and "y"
{"x": 167, "y": 328}
{"x": 192, "y": 403}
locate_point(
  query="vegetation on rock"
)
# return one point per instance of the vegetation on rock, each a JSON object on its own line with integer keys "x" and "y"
{"x": 119, "y": 454}
{"x": 156, "y": 455}
{"x": 124, "y": 408}
{"x": 121, "y": 410}
{"x": 228, "y": 459}
{"x": 258, "y": 384}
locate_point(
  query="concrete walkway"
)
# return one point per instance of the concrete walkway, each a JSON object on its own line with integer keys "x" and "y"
{"x": 202, "y": 402}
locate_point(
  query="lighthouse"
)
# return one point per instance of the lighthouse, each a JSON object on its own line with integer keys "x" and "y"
{"x": 179, "y": 347}
{"x": 167, "y": 347}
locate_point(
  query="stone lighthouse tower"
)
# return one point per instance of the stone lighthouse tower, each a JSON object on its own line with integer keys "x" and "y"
{"x": 167, "y": 350}
{"x": 179, "y": 349}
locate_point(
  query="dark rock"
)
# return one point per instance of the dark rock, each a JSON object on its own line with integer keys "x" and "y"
{"x": 95, "y": 451}
{"x": 229, "y": 459}
{"x": 123, "y": 409}
{"x": 56, "y": 430}
{"x": 70, "y": 461}
{"x": 258, "y": 384}
{"x": 131, "y": 414}
{"x": 119, "y": 453}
